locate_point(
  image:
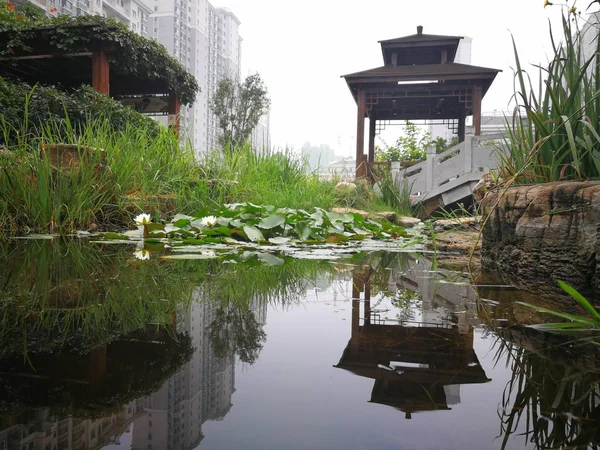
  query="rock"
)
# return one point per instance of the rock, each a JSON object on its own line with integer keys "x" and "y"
{"x": 538, "y": 234}
{"x": 345, "y": 186}
{"x": 72, "y": 156}
{"x": 488, "y": 181}
{"x": 351, "y": 211}
{"x": 459, "y": 223}
{"x": 407, "y": 222}
{"x": 385, "y": 216}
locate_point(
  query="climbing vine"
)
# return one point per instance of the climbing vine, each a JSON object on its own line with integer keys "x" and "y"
{"x": 131, "y": 55}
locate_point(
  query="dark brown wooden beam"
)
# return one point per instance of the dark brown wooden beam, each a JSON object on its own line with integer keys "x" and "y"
{"x": 49, "y": 56}
{"x": 360, "y": 132}
{"x": 174, "y": 110}
{"x": 372, "y": 129}
{"x": 477, "y": 110}
{"x": 100, "y": 72}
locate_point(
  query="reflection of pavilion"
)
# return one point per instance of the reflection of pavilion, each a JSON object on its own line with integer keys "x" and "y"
{"x": 415, "y": 368}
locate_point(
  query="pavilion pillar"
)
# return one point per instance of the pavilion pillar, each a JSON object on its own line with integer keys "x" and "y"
{"x": 360, "y": 135}
{"x": 100, "y": 72}
{"x": 461, "y": 128}
{"x": 477, "y": 110}
{"x": 372, "y": 123}
{"x": 371, "y": 157}
{"x": 174, "y": 109}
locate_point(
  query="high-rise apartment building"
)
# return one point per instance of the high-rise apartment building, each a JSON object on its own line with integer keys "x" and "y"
{"x": 203, "y": 38}
{"x": 224, "y": 61}
{"x": 133, "y": 13}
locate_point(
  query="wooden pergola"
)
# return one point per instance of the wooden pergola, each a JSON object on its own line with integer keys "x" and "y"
{"x": 419, "y": 81}
{"x": 98, "y": 65}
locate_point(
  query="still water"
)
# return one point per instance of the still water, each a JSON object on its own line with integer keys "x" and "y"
{"x": 371, "y": 351}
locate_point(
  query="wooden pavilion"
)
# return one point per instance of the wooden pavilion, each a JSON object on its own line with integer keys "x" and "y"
{"x": 432, "y": 358}
{"x": 98, "y": 52}
{"x": 418, "y": 81}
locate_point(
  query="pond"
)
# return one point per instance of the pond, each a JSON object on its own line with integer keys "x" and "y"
{"x": 371, "y": 350}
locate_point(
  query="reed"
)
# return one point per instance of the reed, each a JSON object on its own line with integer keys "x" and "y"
{"x": 554, "y": 133}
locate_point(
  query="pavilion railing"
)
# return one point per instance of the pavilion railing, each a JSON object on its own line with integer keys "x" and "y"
{"x": 456, "y": 166}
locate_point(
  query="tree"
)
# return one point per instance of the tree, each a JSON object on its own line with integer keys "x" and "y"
{"x": 239, "y": 107}
{"x": 410, "y": 147}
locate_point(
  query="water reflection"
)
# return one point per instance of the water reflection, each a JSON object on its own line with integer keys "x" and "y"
{"x": 100, "y": 350}
{"x": 417, "y": 365}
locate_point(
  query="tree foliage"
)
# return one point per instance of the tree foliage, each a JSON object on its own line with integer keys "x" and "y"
{"x": 239, "y": 107}
{"x": 24, "y": 109}
{"x": 412, "y": 145}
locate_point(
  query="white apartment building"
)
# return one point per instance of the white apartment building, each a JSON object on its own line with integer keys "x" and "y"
{"x": 463, "y": 56}
{"x": 224, "y": 61}
{"x": 133, "y": 13}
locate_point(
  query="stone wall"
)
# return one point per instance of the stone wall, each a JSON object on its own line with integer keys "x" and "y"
{"x": 537, "y": 234}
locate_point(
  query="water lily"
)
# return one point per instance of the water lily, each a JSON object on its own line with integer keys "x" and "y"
{"x": 142, "y": 254}
{"x": 143, "y": 219}
{"x": 208, "y": 221}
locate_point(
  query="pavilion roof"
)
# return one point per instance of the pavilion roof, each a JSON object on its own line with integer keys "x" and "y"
{"x": 420, "y": 38}
{"x": 420, "y": 92}
{"x": 446, "y": 71}
{"x": 420, "y": 48}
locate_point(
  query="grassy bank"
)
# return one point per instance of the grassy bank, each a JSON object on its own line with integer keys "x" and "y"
{"x": 116, "y": 175}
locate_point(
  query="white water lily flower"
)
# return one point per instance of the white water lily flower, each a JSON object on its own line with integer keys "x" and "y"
{"x": 143, "y": 219}
{"x": 208, "y": 221}
{"x": 142, "y": 254}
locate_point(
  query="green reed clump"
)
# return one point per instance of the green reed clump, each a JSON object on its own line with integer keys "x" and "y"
{"x": 269, "y": 177}
{"x": 554, "y": 133}
{"x": 136, "y": 170}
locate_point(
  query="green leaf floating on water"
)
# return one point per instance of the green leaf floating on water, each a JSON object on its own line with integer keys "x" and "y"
{"x": 271, "y": 222}
{"x": 252, "y": 225}
{"x": 253, "y": 233}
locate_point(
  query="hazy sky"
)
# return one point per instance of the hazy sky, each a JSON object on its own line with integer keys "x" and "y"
{"x": 302, "y": 47}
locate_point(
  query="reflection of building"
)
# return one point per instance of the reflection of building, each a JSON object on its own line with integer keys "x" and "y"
{"x": 200, "y": 391}
{"x": 46, "y": 432}
{"x": 415, "y": 368}
{"x": 169, "y": 418}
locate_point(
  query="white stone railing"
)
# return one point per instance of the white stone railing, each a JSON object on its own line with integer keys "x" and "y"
{"x": 462, "y": 164}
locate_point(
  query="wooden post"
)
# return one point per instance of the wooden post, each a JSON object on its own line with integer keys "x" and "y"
{"x": 461, "y": 129}
{"x": 100, "y": 72}
{"x": 371, "y": 156}
{"x": 367, "y": 305}
{"x": 477, "y": 110}
{"x": 372, "y": 123}
{"x": 174, "y": 108}
{"x": 360, "y": 131}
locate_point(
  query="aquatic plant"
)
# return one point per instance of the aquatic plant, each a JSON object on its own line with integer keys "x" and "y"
{"x": 549, "y": 404}
{"x": 247, "y": 222}
{"x": 554, "y": 133}
{"x": 573, "y": 322}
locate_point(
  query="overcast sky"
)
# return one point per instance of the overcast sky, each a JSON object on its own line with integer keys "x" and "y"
{"x": 301, "y": 48}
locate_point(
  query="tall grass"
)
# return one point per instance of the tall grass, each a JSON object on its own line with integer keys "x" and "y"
{"x": 136, "y": 171}
{"x": 269, "y": 177}
{"x": 554, "y": 133}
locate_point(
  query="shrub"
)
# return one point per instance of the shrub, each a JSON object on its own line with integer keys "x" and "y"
{"x": 24, "y": 110}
